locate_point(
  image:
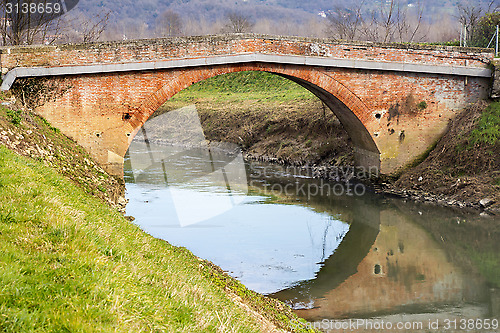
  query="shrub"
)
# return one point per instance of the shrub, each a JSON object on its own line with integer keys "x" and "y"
{"x": 422, "y": 105}
{"x": 15, "y": 116}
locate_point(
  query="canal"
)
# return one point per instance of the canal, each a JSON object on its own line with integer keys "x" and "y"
{"x": 330, "y": 250}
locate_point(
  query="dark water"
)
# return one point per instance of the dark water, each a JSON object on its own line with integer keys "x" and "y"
{"x": 335, "y": 253}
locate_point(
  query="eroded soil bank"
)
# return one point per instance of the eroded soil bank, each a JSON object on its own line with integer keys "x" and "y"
{"x": 464, "y": 168}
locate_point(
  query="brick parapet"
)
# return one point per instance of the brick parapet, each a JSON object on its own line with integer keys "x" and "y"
{"x": 203, "y": 46}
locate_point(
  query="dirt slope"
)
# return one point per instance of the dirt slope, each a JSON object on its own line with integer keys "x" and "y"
{"x": 459, "y": 171}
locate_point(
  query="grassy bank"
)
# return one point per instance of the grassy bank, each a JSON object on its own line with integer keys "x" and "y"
{"x": 32, "y": 136}
{"x": 69, "y": 263}
{"x": 260, "y": 87}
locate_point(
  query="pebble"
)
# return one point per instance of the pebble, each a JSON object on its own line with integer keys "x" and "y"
{"x": 486, "y": 202}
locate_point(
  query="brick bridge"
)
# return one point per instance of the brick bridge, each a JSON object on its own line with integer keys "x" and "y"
{"x": 394, "y": 100}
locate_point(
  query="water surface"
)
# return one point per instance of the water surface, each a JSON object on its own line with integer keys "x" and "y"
{"x": 328, "y": 256}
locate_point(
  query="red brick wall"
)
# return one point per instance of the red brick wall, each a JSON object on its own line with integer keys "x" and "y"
{"x": 192, "y": 47}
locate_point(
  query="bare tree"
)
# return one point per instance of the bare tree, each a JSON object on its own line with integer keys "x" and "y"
{"x": 470, "y": 15}
{"x": 91, "y": 30}
{"x": 407, "y": 27}
{"x": 237, "y": 23}
{"x": 343, "y": 22}
{"x": 169, "y": 24}
{"x": 370, "y": 30}
{"x": 5, "y": 24}
{"x": 30, "y": 21}
{"x": 390, "y": 21}
{"x": 493, "y": 6}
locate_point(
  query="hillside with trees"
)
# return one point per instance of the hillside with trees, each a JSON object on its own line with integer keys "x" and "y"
{"x": 378, "y": 20}
{"x": 372, "y": 20}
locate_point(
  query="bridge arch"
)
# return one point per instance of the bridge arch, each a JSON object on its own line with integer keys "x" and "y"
{"x": 346, "y": 105}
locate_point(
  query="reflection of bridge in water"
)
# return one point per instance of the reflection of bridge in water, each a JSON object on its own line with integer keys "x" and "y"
{"x": 385, "y": 263}
{"x": 399, "y": 268}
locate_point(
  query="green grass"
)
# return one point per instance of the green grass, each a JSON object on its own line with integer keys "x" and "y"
{"x": 46, "y": 123}
{"x": 241, "y": 86}
{"x": 69, "y": 263}
{"x": 14, "y": 116}
{"x": 487, "y": 129}
{"x": 447, "y": 43}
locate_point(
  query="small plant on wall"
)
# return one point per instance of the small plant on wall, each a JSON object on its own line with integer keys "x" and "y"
{"x": 15, "y": 116}
{"x": 422, "y": 105}
{"x": 409, "y": 106}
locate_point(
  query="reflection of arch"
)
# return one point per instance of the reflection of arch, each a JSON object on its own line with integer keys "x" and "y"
{"x": 356, "y": 244}
{"x": 349, "y": 108}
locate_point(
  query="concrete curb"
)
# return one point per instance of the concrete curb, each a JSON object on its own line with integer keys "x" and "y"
{"x": 12, "y": 75}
